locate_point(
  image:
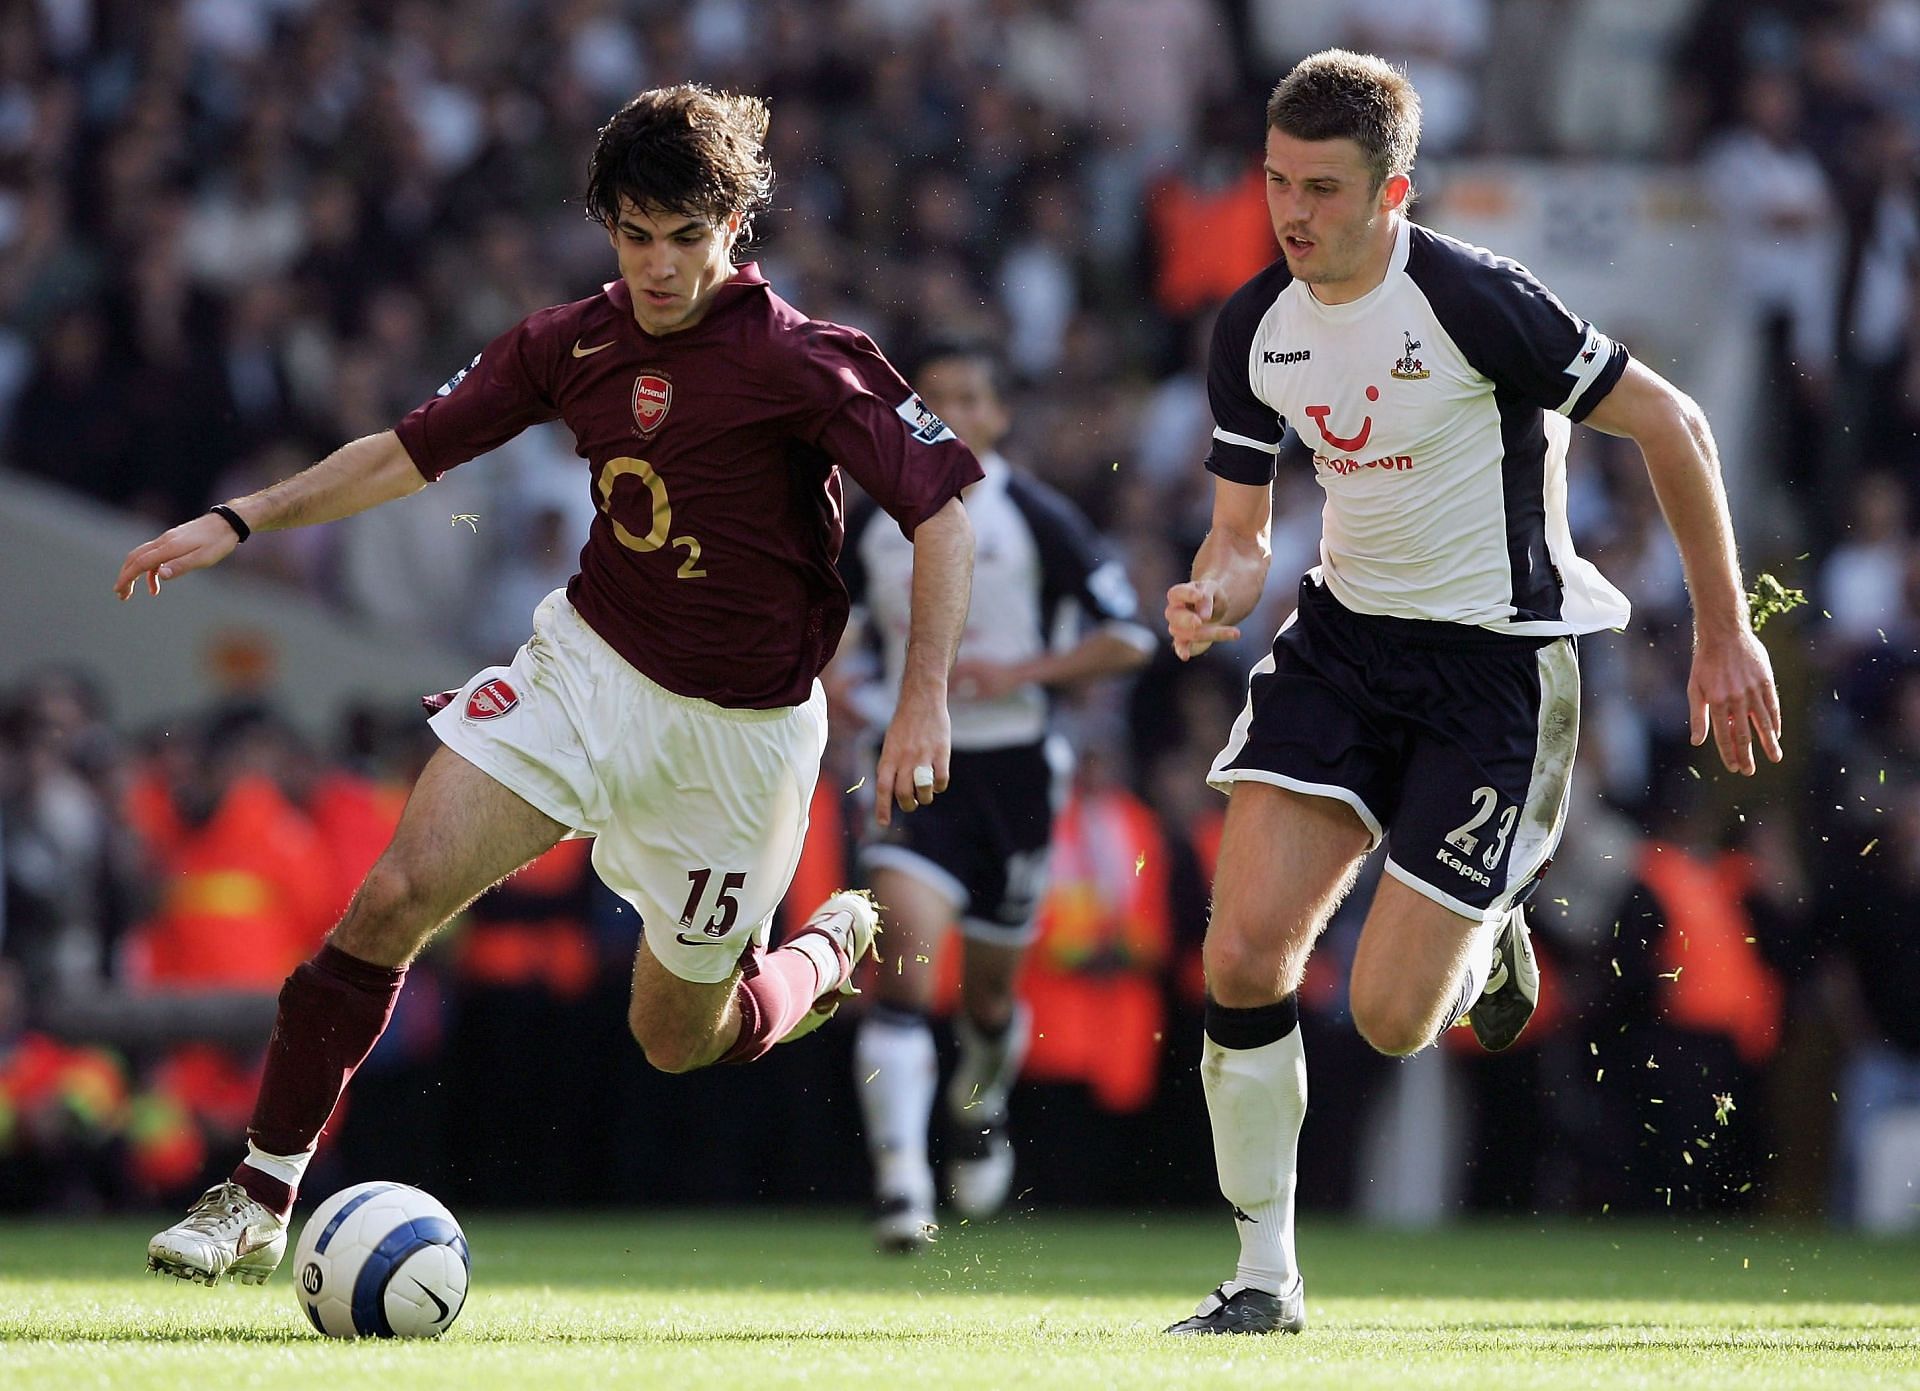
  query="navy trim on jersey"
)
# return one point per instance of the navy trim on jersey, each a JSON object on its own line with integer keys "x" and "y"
{"x": 1247, "y": 430}
{"x": 1070, "y": 559}
{"x": 1515, "y": 332}
{"x": 1513, "y": 329}
{"x": 1531, "y": 574}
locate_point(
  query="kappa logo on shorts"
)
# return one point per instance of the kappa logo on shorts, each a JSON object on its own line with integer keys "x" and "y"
{"x": 1461, "y": 867}
{"x": 491, "y": 699}
{"x": 652, "y": 397}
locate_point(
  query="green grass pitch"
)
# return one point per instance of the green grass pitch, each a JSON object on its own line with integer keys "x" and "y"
{"x": 756, "y": 1300}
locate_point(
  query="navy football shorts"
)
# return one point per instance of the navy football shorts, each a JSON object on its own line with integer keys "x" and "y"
{"x": 1452, "y": 743}
{"x": 983, "y": 843}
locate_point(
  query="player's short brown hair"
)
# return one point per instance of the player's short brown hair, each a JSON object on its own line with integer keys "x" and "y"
{"x": 685, "y": 149}
{"x": 1359, "y": 97}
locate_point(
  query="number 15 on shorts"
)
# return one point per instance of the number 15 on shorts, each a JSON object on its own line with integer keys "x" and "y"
{"x": 725, "y": 906}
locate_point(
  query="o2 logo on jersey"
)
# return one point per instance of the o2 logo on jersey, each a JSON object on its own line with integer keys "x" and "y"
{"x": 652, "y": 397}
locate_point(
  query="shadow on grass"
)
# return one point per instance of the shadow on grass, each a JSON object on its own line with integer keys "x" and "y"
{"x": 1570, "y": 1339}
{"x": 1170, "y": 1256}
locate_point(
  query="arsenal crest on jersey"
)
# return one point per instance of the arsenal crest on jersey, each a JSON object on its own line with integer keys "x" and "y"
{"x": 491, "y": 699}
{"x": 652, "y": 395}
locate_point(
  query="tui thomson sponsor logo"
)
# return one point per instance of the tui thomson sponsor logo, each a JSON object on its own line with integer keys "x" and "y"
{"x": 1392, "y": 463}
{"x": 652, "y": 397}
{"x": 491, "y": 699}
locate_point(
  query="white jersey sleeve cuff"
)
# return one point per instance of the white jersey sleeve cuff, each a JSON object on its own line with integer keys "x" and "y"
{"x": 1594, "y": 357}
{"x": 1228, "y": 437}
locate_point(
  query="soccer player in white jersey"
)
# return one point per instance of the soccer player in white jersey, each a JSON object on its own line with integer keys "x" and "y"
{"x": 1426, "y": 691}
{"x": 977, "y": 858}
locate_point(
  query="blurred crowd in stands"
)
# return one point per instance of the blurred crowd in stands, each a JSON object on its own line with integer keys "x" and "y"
{"x": 234, "y": 233}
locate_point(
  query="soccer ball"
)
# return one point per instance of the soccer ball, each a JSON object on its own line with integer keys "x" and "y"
{"x": 381, "y": 1260}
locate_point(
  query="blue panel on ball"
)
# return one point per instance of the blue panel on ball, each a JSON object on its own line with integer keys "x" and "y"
{"x": 370, "y": 1289}
{"x": 313, "y": 1316}
{"x": 346, "y": 1212}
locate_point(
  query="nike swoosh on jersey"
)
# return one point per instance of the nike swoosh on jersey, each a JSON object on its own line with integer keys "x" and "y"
{"x": 579, "y": 351}
{"x": 698, "y": 941}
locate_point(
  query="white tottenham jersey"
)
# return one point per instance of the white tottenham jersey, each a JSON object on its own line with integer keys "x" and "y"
{"x": 1436, "y": 407}
{"x": 1036, "y": 565}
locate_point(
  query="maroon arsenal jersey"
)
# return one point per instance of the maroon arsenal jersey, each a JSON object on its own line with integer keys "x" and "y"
{"x": 713, "y": 454}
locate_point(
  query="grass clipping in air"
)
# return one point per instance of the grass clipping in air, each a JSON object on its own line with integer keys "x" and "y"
{"x": 1769, "y": 599}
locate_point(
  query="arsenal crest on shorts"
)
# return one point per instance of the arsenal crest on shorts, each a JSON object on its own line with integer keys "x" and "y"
{"x": 652, "y": 394}
{"x": 491, "y": 699}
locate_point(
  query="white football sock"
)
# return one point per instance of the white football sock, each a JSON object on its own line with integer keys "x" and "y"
{"x": 987, "y": 1069}
{"x": 1473, "y": 980}
{"x": 895, "y": 1071}
{"x": 288, "y": 1168}
{"x": 1480, "y": 959}
{"x": 1257, "y": 1099}
{"x": 826, "y": 961}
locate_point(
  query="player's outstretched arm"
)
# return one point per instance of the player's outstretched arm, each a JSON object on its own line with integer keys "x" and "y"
{"x": 1229, "y": 571}
{"x": 919, "y": 736}
{"x": 352, "y": 479}
{"x": 1730, "y": 693}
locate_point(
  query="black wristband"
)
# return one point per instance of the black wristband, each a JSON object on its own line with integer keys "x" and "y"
{"x": 233, "y": 519}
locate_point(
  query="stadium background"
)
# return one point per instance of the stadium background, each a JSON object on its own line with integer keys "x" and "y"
{"x": 236, "y": 232}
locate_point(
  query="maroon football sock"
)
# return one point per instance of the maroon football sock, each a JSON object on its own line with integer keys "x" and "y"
{"x": 777, "y": 988}
{"x": 333, "y": 1009}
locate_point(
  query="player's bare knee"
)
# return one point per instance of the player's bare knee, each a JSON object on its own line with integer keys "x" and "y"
{"x": 986, "y": 988}
{"x": 1240, "y": 975}
{"x": 988, "y": 1008}
{"x": 667, "y": 1048}
{"x": 1389, "y": 1023}
{"x": 389, "y": 917}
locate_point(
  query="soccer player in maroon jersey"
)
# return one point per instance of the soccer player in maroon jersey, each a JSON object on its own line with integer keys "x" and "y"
{"x": 666, "y": 703}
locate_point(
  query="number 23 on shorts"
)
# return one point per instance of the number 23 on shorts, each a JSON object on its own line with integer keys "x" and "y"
{"x": 1466, "y": 837}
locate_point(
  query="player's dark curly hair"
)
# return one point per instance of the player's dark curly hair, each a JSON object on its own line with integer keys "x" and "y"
{"x": 685, "y": 149}
{"x": 1355, "y": 95}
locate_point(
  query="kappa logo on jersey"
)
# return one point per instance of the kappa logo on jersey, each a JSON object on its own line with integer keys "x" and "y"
{"x": 927, "y": 427}
{"x": 1344, "y": 443}
{"x": 1287, "y": 359}
{"x": 1409, "y": 368}
{"x": 652, "y": 396}
{"x": 458, "y": 377}
{"x": 491, "y": 699}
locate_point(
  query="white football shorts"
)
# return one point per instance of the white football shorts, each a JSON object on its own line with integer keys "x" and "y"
{"x": 697, "y": 811}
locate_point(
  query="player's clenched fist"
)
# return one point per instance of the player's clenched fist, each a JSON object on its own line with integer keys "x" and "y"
{"x": 192, "y": 545}
{"x": 1191, "y": 609}
{"x": 913, "y": 758}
